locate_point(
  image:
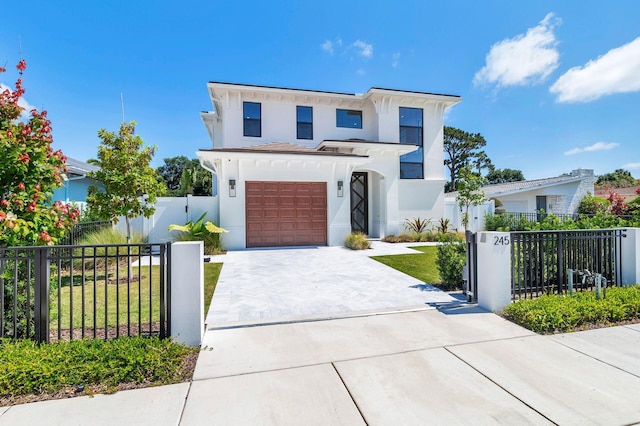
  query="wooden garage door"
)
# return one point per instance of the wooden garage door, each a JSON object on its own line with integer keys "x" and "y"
{"x": 286, "y": 214}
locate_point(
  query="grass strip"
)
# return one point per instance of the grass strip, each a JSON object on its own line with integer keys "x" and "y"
{"x": 420, "y": 265}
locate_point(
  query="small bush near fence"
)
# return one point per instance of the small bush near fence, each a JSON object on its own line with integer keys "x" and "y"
{"x": 450, "y": 260}
{"x": 562, "y": 313}
{"x": 357, "y": 241}
{"x": 88, "y": 366}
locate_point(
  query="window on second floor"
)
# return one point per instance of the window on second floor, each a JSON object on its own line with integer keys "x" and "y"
{"x": 252, "y": 114}
{"x": 349, "y": 118}
{"x": 304, "y": 122}
{"x": 411, "y": 164}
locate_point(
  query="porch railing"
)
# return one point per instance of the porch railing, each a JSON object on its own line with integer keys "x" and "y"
{"x": 540, "y": 259}
{"x": 98, "y": 291}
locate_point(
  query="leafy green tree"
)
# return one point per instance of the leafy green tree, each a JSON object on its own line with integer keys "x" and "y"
{"x": 503, "y": 176}
{"x": 469, "y": 191}
{"x": 618, "y": 179}
{"x": 197, "y": 182}
{"x": 462, "y": 149}
{"x": 482, "y": 162}
{"x": 130, "y": 183}
{"x": 171, "y": 171}
{"x": 29, "y": 173}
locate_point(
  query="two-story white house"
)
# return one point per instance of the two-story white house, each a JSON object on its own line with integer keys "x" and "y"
{"x": 302, "y": 167}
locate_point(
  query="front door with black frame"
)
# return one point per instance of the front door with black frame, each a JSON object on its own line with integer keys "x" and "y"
{"x": 359, "y": 203}
{"x": 541, "y": 207}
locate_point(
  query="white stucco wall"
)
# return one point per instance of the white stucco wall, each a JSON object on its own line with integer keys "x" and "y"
{"x": 562, "y": 198}
{"x": 232, "y": 209}
{"x": 278, "y": 121}
{"x": 391, "y": 200}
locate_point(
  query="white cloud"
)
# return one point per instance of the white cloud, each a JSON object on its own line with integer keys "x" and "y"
{"x": 395, "y": 59}
{"x": 327, "y": 46}
{"x": 631, "y": 166}
{"x": 617, "y": 71}
{"x": 364, "y": 49}
{"x": 524, "y": 59}
{"x": 361, "y": 71}
{"x": 22, "y": 102}
{"x": 598, "y": 146}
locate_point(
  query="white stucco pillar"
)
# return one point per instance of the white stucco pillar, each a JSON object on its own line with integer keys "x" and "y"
{"x": 494, "y": 270}
{"x": 393, "y": 211}
{"x": 630, "y": 253}
{"x": 187, "y": 292}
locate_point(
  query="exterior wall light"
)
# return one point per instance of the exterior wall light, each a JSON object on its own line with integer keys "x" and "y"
{"x": 232, "y": 187}
{"x": 340, "y": 188}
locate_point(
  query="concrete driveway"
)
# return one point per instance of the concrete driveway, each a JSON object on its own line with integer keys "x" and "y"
{"x": 279, "y": 285}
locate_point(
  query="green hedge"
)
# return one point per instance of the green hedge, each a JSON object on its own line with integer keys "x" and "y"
{"x": 26, "y": 368}
{"x": 561, "y": 313}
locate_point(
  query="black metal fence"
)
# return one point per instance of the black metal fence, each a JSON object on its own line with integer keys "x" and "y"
{"x": 55, "y": 293}
{"x": 82, "y": 229}
{"x": 540, "y": 259}
{"x": 470, "y": 284}
{"x": 539, "y": 216}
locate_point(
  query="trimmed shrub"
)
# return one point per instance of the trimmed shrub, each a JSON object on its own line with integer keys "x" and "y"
{"x": 450, "y": 260}
{"x": 593, "y": 205}
{"x": 562, "y": 313}
{"x": 357, "y": 241}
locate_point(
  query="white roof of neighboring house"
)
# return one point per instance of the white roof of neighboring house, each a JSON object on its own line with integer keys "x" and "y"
{"x": 528, "y": 185}
{"x": 79, "y": 168}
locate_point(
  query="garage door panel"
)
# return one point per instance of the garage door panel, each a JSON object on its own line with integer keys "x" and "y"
{"x": 303, "y": 214}
{"x": 254, "y": 214}
{"x": 286, "y": 213}
{"x": 287, "y": 226}
{"x": 270, "y": 213}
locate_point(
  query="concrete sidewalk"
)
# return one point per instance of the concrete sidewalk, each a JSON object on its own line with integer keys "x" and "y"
{"x": 454, "y": 366}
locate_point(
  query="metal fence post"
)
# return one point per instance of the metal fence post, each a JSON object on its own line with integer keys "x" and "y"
{"x": 41, "y": 295}
{"x": 570, "y": 281}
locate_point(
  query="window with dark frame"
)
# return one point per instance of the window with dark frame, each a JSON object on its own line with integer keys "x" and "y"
{"x": 349, "y": 118}
{"x": 411, "y": 164}
{"x": 252, "y": 114}
{"x": 304, "y": 122}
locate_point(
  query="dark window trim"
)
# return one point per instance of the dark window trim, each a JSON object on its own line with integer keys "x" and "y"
{"x": 298, "y": 121}
{"x": 245, "y": 120}
{"x": 420, "y": 145}
{"x": 349, "y": 111}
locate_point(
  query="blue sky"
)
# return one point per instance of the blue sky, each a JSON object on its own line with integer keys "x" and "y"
{"x": 552, "y": 86}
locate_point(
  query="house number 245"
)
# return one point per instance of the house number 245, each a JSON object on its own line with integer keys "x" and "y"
{"x": 500, "y": 241}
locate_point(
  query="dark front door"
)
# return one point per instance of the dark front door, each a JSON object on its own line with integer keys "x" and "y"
{"x": 541, "y": 207}
{"x": 359, "y": 203}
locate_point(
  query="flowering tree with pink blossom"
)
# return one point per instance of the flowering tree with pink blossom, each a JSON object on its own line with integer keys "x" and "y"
{"x": 30, "y": 170}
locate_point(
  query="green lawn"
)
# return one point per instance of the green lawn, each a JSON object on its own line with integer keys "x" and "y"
{"x": 121, "y": 300}
{"x": 211, "y": 274}
{"x": 421, "y": 266}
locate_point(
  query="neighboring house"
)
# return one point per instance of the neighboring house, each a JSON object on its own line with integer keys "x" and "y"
{"x": 557, "y": 195}
{"x": 75, "y": 183}
{"x": 302, "y": 167}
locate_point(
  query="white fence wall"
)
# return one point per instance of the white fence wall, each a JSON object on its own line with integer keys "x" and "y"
{"x": 494, "y": 266}
{"x": 172, "y": 210}
{"x": 455, "y": 213}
